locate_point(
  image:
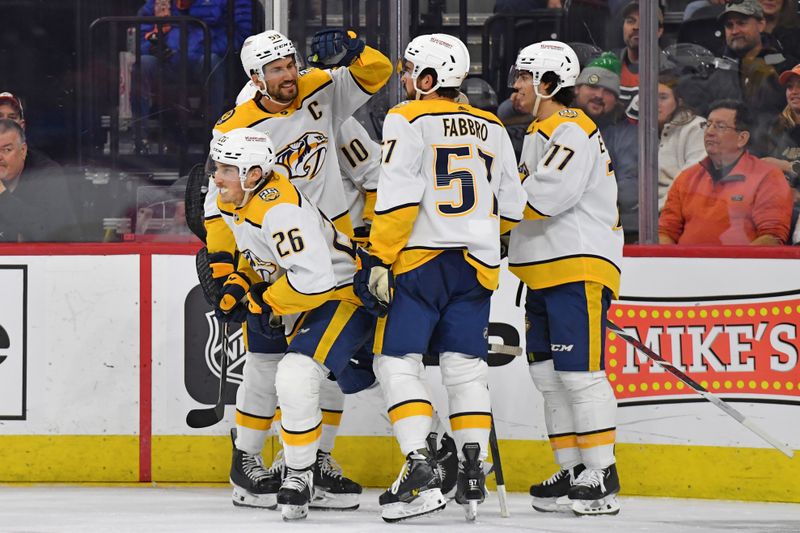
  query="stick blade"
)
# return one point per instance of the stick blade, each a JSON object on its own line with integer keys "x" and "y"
{"x": 203, "y": 418}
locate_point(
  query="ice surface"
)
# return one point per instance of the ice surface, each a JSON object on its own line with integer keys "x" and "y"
{"x": 153, "y": 509}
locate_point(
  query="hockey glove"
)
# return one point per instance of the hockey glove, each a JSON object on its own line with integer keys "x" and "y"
{"x": 335, "y": 48}
{"x": 504, "y": 240}
{"x": 260, "y": 318}
{"x": 231, "y": 307}
{"x": 373, "y": 283}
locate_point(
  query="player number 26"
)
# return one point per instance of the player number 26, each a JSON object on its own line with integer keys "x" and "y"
{"x": 289, "y": 242}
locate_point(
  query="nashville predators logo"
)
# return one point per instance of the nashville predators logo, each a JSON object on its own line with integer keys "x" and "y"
{"x": 304, "y": 157}
{"x": 265, "y": 269}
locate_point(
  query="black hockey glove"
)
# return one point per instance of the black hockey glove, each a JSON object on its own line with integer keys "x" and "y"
{"x": 373, "y": 283}
{"x": 335, "y": 48}
{"x": 232, "y": 307}
{"x": 260, "y": 319}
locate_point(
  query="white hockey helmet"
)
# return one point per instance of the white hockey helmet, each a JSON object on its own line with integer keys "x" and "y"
{"x": 263, "y": 48}
{"x": 244, "y": 148}
{"x": 445, "y": 54}
{"x": 547, "y": 56}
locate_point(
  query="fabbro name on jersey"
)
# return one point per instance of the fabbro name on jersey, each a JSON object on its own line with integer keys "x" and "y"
{"x": 458, "y": 127}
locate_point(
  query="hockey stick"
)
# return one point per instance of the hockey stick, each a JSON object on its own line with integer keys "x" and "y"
{"x": 505, "y": 349}
{"x": 196, "y": 189}
{"x": 497, "y": 466}
{"x": 202, "y": 418}
{"x": 730, "y": 411}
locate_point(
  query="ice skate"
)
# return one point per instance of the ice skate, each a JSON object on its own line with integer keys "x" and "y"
{"x": 595, "y": 492}
{"x": 550, "y": 495}
{"x": 253, "y": 485}
{"x": 295, "y": 494}
{"x": 332, "y": 490}
{"x": 446, "y": 462}
{"x": 415, "y": 492}
{"x": 471, "y": 486}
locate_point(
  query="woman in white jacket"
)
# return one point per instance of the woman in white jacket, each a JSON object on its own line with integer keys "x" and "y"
{"x": 681, "y": 138}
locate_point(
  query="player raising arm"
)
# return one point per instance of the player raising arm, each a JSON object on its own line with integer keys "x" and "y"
{"x": 567, "y": 251}
{"x": 448, "y": 188}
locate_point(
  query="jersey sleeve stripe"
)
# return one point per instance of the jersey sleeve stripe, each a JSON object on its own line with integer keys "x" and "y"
{"x": 212, "y": 217}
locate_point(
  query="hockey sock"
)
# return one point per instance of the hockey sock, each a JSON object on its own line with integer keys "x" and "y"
{"x": 594, "y": 409}
{"x": 256, "y": 400}
{"x": 466, "y": 381}
{"x": 407, "y": 399}
{"x": 331, "y": 400}
{"x": 298, "y": 383}
{"x": 558, "y": 413}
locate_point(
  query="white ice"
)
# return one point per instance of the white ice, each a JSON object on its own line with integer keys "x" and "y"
{"x": 153, "y": 509}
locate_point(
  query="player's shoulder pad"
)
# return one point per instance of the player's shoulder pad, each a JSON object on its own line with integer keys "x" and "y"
{"x": 548, "y": 126}
{"x": 310, "y": 81}
{"x": 242, "y": 116}
{"x": 277, "y": 191}
{"x": 413, "y": 109}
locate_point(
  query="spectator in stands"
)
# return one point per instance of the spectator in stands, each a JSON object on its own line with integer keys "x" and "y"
{"x": 597, "y": 92}
{"x": 161, "y": 45}
{"x": 11, "y": 108}
{"x": 783, "y": 141}
{"x": 629, "y": 55}
{"x": 782, "y": 23}
{"x": 754, "y": 60}
{"x": 34, "y": 199}
{"x": 731, "y": 197}
{"x": 521, "y": 6}
{"x": 681, "y": 137}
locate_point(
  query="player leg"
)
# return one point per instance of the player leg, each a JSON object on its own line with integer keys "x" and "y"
{"x": 558, "y": 415}
{"x": 298, "y": 383}
{"x": 460, "y": 338}
{"x": 332, "y": 334}
{"x": 256, "y": 401}
{"x": 579, "y": 365}
{"x": 401, "y": 337}
{"x": 332, "y": 490}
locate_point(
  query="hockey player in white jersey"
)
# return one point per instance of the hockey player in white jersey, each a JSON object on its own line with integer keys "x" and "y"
{"x": 300, "y": 111}
{"x": 359, "y": 160}
{"x": 568, "y": 251}
{"x": 448, "y": 189}
{"x": 307, "y": 267}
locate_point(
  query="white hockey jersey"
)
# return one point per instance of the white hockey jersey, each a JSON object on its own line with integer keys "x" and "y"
{"x": 302, "y": 135}
{"x": 288, "y": 242}
{"x": 571, "y": 230}
{"x": 359, "y": 160}
{"x": 448, "y": 181}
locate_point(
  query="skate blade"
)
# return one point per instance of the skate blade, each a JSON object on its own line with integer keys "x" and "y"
{"x": 328, "y": 501}
{"x": 561, "y": 504}
{"x": 428, "y": 502}
{"x": 242, "y": 498}
{"x": 608, "y": 506}
{"x": 471, "y": 510}
{"x": 293, "y": 512}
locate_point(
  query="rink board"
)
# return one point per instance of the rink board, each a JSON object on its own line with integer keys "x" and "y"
{"x": 110, "y": 346}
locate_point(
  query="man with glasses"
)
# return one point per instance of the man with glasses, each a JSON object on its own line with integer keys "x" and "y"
{"x": 731, "y": 197}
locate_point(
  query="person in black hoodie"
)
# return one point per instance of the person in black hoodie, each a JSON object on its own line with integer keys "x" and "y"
{"x": 34, "y": 197}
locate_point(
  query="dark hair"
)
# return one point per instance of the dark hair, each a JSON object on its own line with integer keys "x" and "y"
{"x": 565, "y": 95}
{"x": 743, "y": 120}
{"x": 6, "y": 124}
{"x": 444, "y": 92}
